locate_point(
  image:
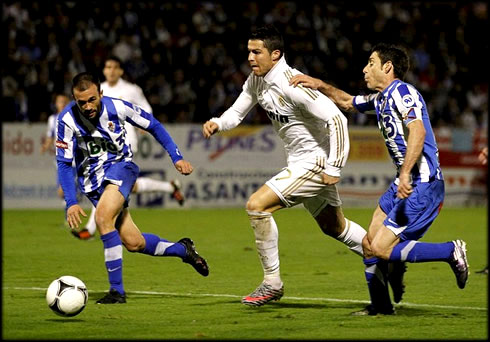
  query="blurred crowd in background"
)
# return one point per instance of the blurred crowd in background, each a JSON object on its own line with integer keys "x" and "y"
{"x": 190, "y": 58}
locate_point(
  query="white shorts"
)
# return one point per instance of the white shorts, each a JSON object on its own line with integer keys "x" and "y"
{"x": 302, "y": 183}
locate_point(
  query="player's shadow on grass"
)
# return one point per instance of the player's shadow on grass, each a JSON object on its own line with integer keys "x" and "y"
{"x": 272, "y": 305}
{"x": 427, "y": 312}
{"x": 293, "y": 305}
{"x": 278, "y": 306}
{"x": 94, "y": 296}
{"x": 65, "y": 320}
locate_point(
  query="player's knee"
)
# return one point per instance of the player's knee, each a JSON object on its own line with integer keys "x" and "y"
{"x": 104, "y": 221}
{"x": 366, "y": 247}
{"x": 365, "y": 243}
{"x": 379, "y": 251}
{"x": 254, "y": 205}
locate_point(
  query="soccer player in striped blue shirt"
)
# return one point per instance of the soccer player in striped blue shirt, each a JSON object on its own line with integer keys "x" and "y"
{"x": 415, "y": 197}
{"x": 91, "y": 131}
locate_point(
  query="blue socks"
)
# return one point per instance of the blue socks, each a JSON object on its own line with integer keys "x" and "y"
{"x": 376, "y": 277}
{"x": 113, "y": 259}
{"x": 113, "y": 254}
{"x": 161, "y": 247}
{"x": 414, "y": 251}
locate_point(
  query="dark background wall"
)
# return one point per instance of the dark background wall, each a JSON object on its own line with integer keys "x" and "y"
{"x": 190, "y": 58}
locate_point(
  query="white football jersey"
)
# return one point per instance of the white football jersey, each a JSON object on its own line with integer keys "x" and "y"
{"x": 308, "y": 122}
{"x": 51, "y": 126}
{"x": 130, "y": 92}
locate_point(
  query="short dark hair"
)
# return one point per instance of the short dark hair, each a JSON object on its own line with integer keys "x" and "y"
{"x": 115, "y": 59}
{"x": 396, "y": 54}
{"x": 84, "y": 80}
{"x": 271, "y": 37}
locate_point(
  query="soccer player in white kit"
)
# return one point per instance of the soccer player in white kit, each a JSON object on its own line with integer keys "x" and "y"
{"x": 115, "y": 86}
{"x": 315, "y": 136}
{"x": 61, "y": 100}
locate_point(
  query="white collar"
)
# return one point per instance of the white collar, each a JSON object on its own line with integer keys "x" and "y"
{"x": 280, "y": 66}
{"x": 120, "y": 81}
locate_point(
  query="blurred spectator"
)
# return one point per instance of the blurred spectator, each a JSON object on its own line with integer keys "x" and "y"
{"x": 185, "y": 56}
{"x": 21, "y": 106}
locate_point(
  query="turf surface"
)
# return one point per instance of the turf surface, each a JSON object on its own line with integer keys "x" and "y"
{"x": 167, "y": 299}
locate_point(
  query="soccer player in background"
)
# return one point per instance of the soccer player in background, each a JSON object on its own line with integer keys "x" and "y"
{"x": 60, "y": 102}
{"x": 315, "y": 136}
{"x": 414, "y": 199}
{"x": 91, "y": 131}
{"x": 115, "y": 86}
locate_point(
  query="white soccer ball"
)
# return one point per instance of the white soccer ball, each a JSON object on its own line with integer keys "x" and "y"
{"x": 67, "y": 296}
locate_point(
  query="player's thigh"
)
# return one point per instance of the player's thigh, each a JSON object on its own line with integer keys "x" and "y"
{"x": 302, "y": 183}
{"x": 383, "y": 242}
{"x": 375, "y": 226}
{"x": 264, "y": 199}
{"x": 130, "y": 234}
{"x": 376, "y": 222}
{"x": 411, "y": 217}
{"x": 109, "y": 206}
{"x": 116, "y": 187}
{"x": 124, "y": 175}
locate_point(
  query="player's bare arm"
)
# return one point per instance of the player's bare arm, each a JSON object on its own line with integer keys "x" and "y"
{"x": 342, "y": 99}
{"x": 483, "y": 156}
{"x": 73, "y": 216}
{"x": 415, "y": 144}
{"x": 184, "y": 167}
{"x": 48, "y": 142}
{"x": 209, "y": 128}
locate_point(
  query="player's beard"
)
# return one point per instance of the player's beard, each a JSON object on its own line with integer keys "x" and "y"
{"x": 90, "y": 114}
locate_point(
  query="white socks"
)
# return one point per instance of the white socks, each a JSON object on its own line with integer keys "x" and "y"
{"x": 266, "y": 241}
{"x": 91, "y": 226}
{"x": 352, "y": 236}
{"x": 145, "y": 184}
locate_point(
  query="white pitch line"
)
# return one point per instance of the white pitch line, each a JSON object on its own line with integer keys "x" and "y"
{"x": 316, "y": 299}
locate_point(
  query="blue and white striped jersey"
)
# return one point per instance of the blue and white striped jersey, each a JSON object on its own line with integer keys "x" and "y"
{"x": 97, "y": 144}
{"x": 396, "y": 106}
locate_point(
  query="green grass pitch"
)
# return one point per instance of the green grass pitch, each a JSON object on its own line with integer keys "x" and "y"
{"x": 167, "y": 299}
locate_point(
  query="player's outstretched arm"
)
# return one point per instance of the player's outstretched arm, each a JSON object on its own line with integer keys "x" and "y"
{"x": 48, "y": 142}
{"x": 306, "y": 81}
{"x": 209, "y": 128}
{"x": 342, "y": 99}
{"x": 184, "y": 167}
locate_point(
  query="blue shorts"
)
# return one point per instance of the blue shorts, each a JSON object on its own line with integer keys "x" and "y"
{"x": 409, "y": 218}
{"x": 123, "y": 174}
